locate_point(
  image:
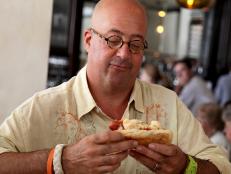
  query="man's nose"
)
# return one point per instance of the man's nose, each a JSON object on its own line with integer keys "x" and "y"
{"x": 124, "y": 51}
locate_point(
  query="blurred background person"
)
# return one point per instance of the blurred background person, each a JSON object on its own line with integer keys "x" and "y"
{"x": 210, "y": 117}
{"x": 194, "y": 91}
{"x": 223, "y": 89}
{"x": 150, "y": 73}
{"x": 227, "y": 104}
{"x": 226, "y": 116}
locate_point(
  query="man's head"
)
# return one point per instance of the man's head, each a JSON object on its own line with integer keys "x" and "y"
{"x": 108, "y": 63}
{"x": 183, "y": 70}
{"x": 209, "y": 115}
{"x": 226, "y": 116}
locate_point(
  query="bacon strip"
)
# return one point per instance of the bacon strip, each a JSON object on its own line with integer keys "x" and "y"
{"x": 146, "y": 129}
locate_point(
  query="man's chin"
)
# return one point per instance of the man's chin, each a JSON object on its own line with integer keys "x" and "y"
{"x": 120, "y": 81}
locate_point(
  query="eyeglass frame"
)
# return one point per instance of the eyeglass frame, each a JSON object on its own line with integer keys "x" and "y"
{"x": 145, "y": 43}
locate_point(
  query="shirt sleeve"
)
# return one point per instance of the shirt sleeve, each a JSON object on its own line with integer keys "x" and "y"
{"x": 193, "y": 141}
{"x": 11, "y": 134}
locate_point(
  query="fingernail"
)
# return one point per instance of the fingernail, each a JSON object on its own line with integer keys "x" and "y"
{"x": 152, "y": 146}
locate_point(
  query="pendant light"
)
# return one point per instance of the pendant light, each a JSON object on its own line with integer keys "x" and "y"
{"x": 160, "y": 29}
{"x": 194, "y": 4}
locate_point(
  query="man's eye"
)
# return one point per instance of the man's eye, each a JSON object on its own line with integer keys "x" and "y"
{"x": 134, "y": 46}
{"x": 137, "y": 44}
{"x": 114, "y": 39}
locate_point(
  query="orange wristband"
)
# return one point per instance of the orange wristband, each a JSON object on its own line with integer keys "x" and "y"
{"x": 50, "y": 162}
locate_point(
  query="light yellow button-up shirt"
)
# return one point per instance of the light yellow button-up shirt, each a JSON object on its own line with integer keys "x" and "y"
{"x": 67, "y": 113}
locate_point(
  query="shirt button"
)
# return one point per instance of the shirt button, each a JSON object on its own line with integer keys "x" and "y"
{"x": 97, "y": 110}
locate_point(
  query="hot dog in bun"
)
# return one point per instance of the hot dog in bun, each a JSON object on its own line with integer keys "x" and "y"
{"x": 142, "y": 132}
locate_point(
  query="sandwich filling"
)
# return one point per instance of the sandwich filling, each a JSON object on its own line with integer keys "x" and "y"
{"x": 142, "y": 132}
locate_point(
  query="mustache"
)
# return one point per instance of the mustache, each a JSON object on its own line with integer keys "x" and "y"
{"x": 118, "y": 61}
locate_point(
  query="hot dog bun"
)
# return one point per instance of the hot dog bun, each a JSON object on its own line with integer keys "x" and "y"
{"x": 145, "y": 133}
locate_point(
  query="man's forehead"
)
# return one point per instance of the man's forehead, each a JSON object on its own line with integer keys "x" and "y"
{"x": 119, "y": 32}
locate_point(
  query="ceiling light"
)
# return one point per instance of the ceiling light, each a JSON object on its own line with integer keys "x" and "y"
{"x": 162, "y": 13}
{"x": 160, "y": 29}
{"x": 193, "y": 4}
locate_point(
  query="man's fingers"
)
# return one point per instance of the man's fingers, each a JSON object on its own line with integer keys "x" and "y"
{"x": 150, "y": 153}
{"x": 143, "y": 159}
{"x": 116, "y": 147}
{"x": 107, "y": 137}
{"x": 112, "y": 159}
{"x": 168, "y": 150}
{"x": 106, "y": 169}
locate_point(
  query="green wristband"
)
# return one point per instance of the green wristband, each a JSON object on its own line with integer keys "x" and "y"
{"x": 192, "y": 166}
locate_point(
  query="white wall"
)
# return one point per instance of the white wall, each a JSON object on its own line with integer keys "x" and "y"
{"x": 24, "y": 47}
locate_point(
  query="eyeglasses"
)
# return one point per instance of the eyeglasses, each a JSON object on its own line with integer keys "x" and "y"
{"x": 116, "y": 42}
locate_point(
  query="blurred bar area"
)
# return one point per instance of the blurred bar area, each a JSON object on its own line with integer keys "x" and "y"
{"x": 202, "y": 34}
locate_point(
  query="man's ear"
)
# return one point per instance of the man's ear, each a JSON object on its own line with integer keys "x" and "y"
{"x": 87, "y": 39}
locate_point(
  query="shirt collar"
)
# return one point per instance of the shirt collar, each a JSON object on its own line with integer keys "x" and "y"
{"x": 84, "y": 100}
{"x": 137, "y": 97}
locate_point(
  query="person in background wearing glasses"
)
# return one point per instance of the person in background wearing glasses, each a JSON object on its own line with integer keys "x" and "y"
{"x": 65, "y": 129}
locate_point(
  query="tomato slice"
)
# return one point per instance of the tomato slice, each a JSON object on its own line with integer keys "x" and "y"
{"x": 115, "y": 124}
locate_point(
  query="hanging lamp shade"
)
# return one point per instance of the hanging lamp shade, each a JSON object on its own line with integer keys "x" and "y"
{"x": 194, "y": 4}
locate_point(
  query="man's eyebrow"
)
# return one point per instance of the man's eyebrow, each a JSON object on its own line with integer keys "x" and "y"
{"x": 121, "y": 33}
{"x": 115, "y": 31}
{"x": 137, "y": 35}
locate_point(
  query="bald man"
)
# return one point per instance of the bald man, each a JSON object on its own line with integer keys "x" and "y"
{"x": 65, "y": 129}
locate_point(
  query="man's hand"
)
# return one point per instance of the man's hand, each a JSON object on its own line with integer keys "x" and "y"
{"x": 160, "y": 158}
{"x": 100, "y": 153}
